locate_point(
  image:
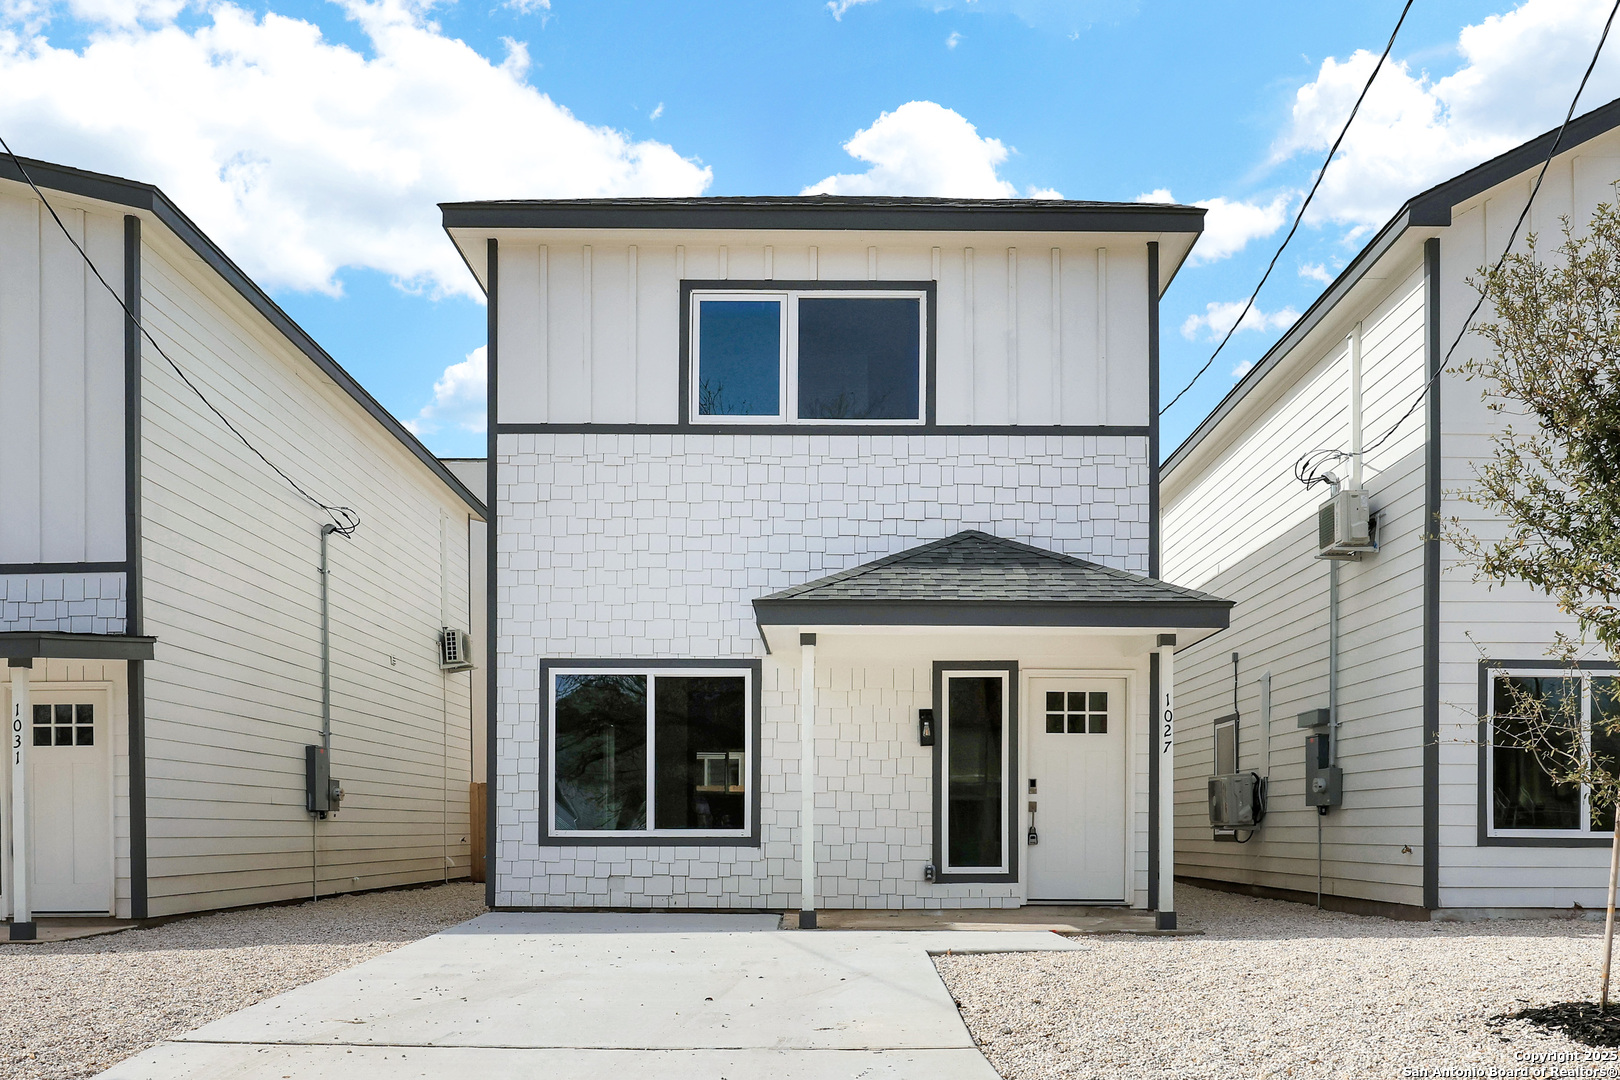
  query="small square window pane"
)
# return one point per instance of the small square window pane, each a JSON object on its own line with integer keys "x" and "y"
{"x": 739, "y": 358}
{"x": 1054, "y": 701}
{"x": 42, "y": 735}
{"x": 1099, "y": 701}
{"x": 64, "y": 736}
{"x": 85, "y": 713}
{"x": 1077, "y": 701}
{"x": 1099, "y": 723}
{"x": 860, "y": 358}
{"x": 1077, "y": 725}
{"x": 42, "y": 714}
{"x": 86, "y": 736}
{"x": 1054, "y": 723}
{"x": 64, "y": 714}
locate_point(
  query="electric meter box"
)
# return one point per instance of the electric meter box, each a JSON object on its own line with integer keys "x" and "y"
{"x": 1324, "y": 783}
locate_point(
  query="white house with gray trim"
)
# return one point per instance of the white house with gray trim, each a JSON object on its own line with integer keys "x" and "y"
{"x": 1433, "y": 819}
{"x": 161, "y": 587}
{"x": 822, "y": 552}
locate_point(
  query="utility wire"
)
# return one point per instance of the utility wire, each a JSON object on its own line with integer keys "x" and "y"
{"x": 1309, "y": 469}
{"x": 1334, "y": 149}
{"x": 344, "y": 520}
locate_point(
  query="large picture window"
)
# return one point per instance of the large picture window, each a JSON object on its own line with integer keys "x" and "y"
{"x": 1522, "y": 799}
{"x": 974, "y": 770}
{"x": 651, "y": 751}
{"x": 807, "y": 356}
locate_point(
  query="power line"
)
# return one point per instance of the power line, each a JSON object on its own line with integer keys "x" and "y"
{"x": 1334, "y": 149}
{"x": 344, "y": 520}
{"x": 1308, "y": 470}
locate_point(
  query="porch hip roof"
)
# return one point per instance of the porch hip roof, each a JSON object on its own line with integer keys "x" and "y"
{"x": 973, "y": 578}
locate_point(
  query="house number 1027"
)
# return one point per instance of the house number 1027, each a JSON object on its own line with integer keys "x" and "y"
{"x": 1168, "y": 720}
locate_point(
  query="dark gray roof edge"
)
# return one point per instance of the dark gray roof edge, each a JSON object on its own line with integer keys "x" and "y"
{"x": 50, "y": 645}
{"x": 1211, "y": 614}
{"x": 826, "y": 212}
{"x": 1428, "y": 209}
{"x": 148, "y": 197}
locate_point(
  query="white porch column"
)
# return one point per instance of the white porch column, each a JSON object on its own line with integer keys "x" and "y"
{"x": 807, "y": 781}
{"x": 22, "y": 915}
{"x": 1166, "y": 749}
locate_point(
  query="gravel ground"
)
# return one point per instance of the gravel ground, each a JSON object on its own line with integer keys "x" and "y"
{"x": 74, "y": 1008}
{"x": 1279, "y": 990}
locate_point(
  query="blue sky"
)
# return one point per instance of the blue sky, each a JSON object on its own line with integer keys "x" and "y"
{"x": 312, "y": 138}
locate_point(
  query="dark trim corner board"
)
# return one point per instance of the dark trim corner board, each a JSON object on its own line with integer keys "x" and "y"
{"x": 492, "y": 655}
{"x": 1010, "y": 765}
{"x": 1153, "y": 408}
{"x": 134, "y": 586}
{"x": 1431, "y": 580}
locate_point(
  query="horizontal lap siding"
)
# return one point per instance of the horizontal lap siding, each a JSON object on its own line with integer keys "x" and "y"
{"x": 1246, "y": 530}
{"x": 230, "y": 557}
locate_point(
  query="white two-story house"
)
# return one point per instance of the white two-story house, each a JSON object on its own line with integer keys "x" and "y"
{"x": 823, "y": 552}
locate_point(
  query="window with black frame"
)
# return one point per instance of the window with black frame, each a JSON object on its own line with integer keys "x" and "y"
{"x": 1531, "y": 709}
{"x": 975, "y": 762}
{"x": 652, "y": 752}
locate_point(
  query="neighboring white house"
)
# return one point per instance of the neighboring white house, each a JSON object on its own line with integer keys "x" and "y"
{"x": 1433, "y": 819}
{"x": 162, "y": 586}
{"x": 884, "y": 463}
{"x": 474, "y": 473}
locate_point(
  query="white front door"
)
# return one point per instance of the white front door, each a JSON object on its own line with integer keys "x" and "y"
{"x": 1075, "y": 788}
{"x": 70, "y": 803}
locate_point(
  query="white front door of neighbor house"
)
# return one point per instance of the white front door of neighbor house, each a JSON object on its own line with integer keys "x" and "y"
{"x": 1075, "y": 788}
{"x": 70, "y": 802}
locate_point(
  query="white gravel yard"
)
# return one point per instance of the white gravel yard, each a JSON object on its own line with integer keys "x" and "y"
{"x": 74, "y": 1008}
{"x": 1277, "y": 990}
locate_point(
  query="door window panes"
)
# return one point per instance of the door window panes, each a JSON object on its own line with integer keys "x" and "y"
{"x": 64, "y": 725}
{"x": 739, "y": 358}
{"x": 975, "y": 777}
{"x": 858, "y": 358}
{"x": 1077, "y": 712}
{"x": 601, "y": 752}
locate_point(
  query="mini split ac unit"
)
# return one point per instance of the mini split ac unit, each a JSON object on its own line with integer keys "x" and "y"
{"x": 1344, "y": 526}
{"x": 1237, "y": 801}
{"x": 455, "y": 650}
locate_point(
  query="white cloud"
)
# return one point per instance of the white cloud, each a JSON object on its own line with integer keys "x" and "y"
{"x": 1219, "y": 316}
{"x": 1230, "y": 224}
{"x": 1518, "y": 73}
{"x": 301, "y": 156}
{"x": 838, "y": 7}
{"x": 954, "y": 40}
{"x": 1316, "y": 272}
{"x": 656, "y": 113}
{"x": 922, "y": 148}
{"x": 1242, "y": 369}
{"x": 459, "y": 398}
{"x": 528, "y": 7}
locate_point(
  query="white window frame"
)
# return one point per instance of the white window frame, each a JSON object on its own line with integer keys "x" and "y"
{"x": 788, "y": 372}
{"x": 1489, "y": 779}
{"x": 1005, "y": 866}
{"x": 651, "y": 674}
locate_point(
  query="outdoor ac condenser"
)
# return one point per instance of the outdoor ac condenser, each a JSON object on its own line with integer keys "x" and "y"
{"x": 1237, "y": 801}
{"x": 1344, "y": 526}
{"x": 455, "y": 650}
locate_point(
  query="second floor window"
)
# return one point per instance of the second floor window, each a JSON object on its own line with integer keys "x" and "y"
{"x": 807, "y": 356}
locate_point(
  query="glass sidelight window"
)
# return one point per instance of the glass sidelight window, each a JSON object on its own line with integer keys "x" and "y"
{"x": 650, "y": 752}
{"x": 976, "y": 761}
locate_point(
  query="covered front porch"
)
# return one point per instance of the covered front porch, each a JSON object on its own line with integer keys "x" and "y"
{"x": 1037, "y": 766}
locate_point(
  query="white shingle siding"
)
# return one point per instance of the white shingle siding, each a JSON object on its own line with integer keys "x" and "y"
{"x": 62, "y": 603}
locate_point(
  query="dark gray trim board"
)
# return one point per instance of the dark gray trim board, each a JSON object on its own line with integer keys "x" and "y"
{"x": 929, "y": 289}
{"x": 1153, "y": 408}
{"x": 39, "y": 644}
{"x": 1431, "y": 581}
{"x": 820, "y": 212}
{"x": 1010, "y": 766}
{"x": 1144, "y": 614}
{"x": 1153, "y": 782}
{"x": 1483, "y": 785}
{"x": 492, "y": 655}
{"x": 756, "y": 670}
{"x": 134, "y": 583}
{"x": 147, "y": 197}
{"x": 108, "y": 567}
{"x": 814, "y": 428}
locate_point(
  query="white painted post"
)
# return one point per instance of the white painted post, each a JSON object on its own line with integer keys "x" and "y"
{"x": 22, "y": 915}
{"x": 1166, "y": 749}
{"x": 807, "y": 780}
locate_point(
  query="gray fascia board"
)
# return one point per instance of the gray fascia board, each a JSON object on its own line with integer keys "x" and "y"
{"x": 45, "y": 645}
{"x": 1191, "y": 614}
{"x": 794, "y": 214}
{"x": 147, "y": 197}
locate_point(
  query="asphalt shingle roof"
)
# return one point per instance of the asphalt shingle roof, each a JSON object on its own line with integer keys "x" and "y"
{"x": 974, "y": 566}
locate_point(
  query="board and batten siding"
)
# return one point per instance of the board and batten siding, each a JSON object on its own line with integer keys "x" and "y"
{"x": 1243, "y": 528}
{"x": 1479, "y": 620}
{"x": 590, "y": 329}
{"x": 230, "y": 559}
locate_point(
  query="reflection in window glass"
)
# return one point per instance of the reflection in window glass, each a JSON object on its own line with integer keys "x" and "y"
{"x": 601, "y": 752}
{"x": 974, "y": 772}
{"x": 1523, "y": 796}
{"x": 859, "y": 358}
{"x": 699, "y": 734}
{"x": 1605, "y": 741}
{"x": 739, "y": 358}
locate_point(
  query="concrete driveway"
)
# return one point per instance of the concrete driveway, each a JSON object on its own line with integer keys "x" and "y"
{"x": 610, "y": 996}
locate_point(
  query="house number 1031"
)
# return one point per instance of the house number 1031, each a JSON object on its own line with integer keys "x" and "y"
{"x": 16, "y": 733}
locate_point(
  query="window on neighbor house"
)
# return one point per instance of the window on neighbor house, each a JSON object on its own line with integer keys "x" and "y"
{"x": 807, "y": 357}
{"x": 1524, "y": 799}
{"x": 650, "y": 752}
